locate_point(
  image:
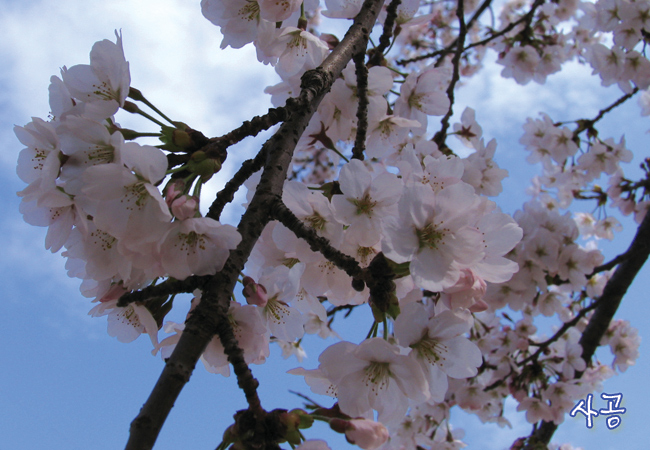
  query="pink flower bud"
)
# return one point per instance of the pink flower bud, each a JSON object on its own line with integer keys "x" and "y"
{"x": 185, "y": 207}
{"x": 255, "y": 293}
{"x": 468, "y": 292}
{"x": 366, "y": 434}
{"x": 173, "y": 189}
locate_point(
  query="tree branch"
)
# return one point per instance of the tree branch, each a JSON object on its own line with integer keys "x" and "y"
{"x": 449, "y": 48}
{"x": 362, "y": 110}
{"x": 316, "y": 243}
{"x": 204, "y": 322}
{"x": 441, "y": 135}
{"x": 167, "y": 287}
{"x": 227, "y": 194}
{"x": 608, "y": 303}
{"x": 377, "y": 54}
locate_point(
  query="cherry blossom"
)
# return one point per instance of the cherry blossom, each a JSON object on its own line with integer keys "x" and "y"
{"x": 433, "y": 233}
{"x": 438, "y": 345}
{"x": 106, "y": 79}
{"x": 197, "y": 246}
{"x": 365, "y": 201}
{"x": 393, "y": 216}
{"x": 373, "y": 375}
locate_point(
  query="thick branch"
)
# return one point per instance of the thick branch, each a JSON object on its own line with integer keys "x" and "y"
{"x": 204, "y": 321}
{"x": 362, "y": 110}
{"x": 167, "y": 287}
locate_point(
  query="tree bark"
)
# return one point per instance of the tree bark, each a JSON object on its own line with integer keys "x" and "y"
{"x": 204, "y": 321}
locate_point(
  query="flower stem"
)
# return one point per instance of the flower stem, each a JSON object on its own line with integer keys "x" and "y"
{"x": 136, "y": 94}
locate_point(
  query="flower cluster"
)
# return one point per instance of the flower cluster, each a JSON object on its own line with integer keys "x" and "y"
{"x": 99, "y": 196}
{"x": 378, "y": 212}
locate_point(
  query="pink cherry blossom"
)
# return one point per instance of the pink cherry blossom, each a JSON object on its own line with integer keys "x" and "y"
{"x": 197, "y": 246}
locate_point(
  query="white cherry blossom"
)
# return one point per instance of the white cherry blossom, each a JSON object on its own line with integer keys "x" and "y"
{"x": 106, "y": 79}
{"x": 197, "y": 246}
{"x": 373, "y": 375}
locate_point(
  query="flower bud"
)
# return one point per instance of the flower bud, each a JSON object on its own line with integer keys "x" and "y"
{"x": 173, "y": 189}
{"x": 130, "y": 107}
{"x": 185, "y": 207}
{"x": 203, "y": 166}
{"x": 366, "y": 434}
{"x": 255, "y": 293}
{"x": 181, "y": 138}
{"x": 305, "y": 420}
{"x": 291, "y": 421}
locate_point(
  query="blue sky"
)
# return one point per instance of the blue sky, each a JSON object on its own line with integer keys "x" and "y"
{"x": 66, "y": 384}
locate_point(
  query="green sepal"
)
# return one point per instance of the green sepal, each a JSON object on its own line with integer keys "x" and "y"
{"x": 203, "y": 166}
{"x": 377, "y": 313}
{"x": 305, "y": 420}
{"x": 331, "y": 189}
{"x": 175, "y": 139}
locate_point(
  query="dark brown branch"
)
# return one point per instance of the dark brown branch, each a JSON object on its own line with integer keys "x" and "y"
{"x": 377, "y": 54}
{"x": 608, "y": 303}
{"x": 449, "y": 48}
{"x": 205, "y": 321}
{"x": 543, "y": 345}
{"x": 441, "y": 135}
{"x": 316, "y": 243}
{"x": 611, "y": 264}
{"x": 227, "y": 194}
{"x": 249, "y": 128}
{"x": 588, "y": 125}
{"x": 166, "y": 288}
{"x": 362, "y": 110}
{"x": 618, "y": 102}
{"x": 526, "y": 19}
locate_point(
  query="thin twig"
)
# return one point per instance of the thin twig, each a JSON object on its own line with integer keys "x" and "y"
{"x": 317, "y": 243}
{"x": 227, "y": 194}
{"x": 441, "y": 135}
{"x": 449, "y": 48}
{"x": 585, "y": 124}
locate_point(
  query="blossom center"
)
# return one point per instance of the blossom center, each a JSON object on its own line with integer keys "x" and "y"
{"x": 103, "y": 239}
{"x": 298, "y": 43}
{"x": 102, "y": 155}
{"x": 316, "y": 221}
{"x": 377, "y": 373}
{"x": 415, "y": 101}
{"x": 250, "y": 11}
{"x": 138, "y": 192}
{"x": 429, "y": 236}
{"x": 431, "y": 350}
{"x": 364, "y": 205}
{"x": 276, "y": 310}
{"x": 192, "y": 240}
